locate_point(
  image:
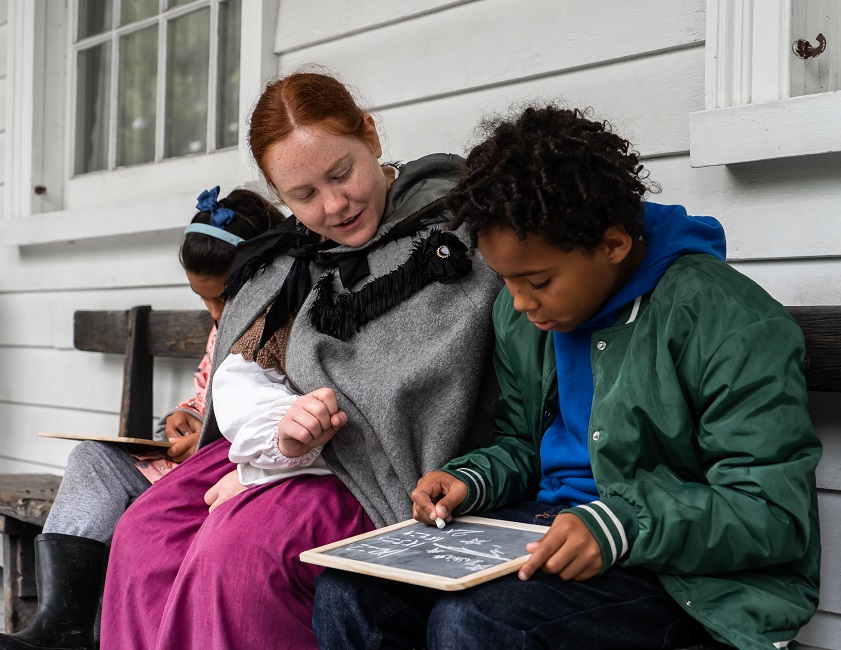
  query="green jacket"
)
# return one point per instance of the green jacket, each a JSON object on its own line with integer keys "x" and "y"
{"x": 700, "y": 441}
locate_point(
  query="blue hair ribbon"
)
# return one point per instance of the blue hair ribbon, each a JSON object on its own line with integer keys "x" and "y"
{"x": 219, "y": 217}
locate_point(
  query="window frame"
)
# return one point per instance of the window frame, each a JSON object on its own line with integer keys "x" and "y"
{"x": 162, "y": 20}
{"x": 43, "y": 202}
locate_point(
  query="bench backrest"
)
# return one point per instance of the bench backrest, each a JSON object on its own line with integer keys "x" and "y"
{"x": 822, "y": 329}
{"x": 141, "y": 334}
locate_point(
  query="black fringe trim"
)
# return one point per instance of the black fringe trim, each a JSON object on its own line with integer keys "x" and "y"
{"x": 342, "y": 315}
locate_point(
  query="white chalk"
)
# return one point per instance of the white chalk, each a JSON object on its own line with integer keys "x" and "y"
{"x": 440, "y": 523}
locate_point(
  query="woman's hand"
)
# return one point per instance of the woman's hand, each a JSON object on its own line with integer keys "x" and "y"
{"x": 436, "y": 495}
{"x": 312, "y": 420}
{"x": 568, "y": 550}
{"x": 183, "y": 446}
{"x": 226, "y": 488}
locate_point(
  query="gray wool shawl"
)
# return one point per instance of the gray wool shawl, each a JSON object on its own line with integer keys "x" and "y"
{"x": 417, "y": 382}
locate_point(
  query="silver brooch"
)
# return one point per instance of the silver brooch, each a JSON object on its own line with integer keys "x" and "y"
{"x": 443, "y": 252}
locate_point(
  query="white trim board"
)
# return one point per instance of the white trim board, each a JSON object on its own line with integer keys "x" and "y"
{"x": 785, "y": 128}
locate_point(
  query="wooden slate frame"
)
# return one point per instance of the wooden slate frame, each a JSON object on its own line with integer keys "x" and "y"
{"x": 321, "y": 556}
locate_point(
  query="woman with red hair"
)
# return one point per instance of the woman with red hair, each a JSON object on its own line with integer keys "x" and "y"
{"x": 377, "y": 316}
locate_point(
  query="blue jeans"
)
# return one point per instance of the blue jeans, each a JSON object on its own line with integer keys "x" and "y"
{"x": 622, "y": 608}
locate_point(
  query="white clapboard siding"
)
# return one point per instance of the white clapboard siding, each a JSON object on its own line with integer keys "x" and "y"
{"x": 495, "y": 41}
{"x": 45, "y": 319}
{"x": 4, "y": 40}
{"x": 87, "y": 381}
{"x": 829, "y": 502}
{"x": 826, "y": 416}
{"x": 144, "y": 259}
{"x": 798, "y": 281}
{"x": 298, "y": 26}
{"x": 771, "y": 211}
{"x": 646, "y": 100}
{"x": 3, "y": 140}
{"x": 27, "y": 446}
{"x": 3, "y": 86}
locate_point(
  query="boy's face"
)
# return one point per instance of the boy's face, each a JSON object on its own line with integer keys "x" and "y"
{"x": 558, "y": 291}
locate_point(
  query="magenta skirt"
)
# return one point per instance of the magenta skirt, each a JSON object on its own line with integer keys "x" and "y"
{"x": 179, "y": 577}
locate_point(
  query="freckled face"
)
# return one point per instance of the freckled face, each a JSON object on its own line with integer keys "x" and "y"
{"x": 209, "y": 288}
{"x": 558, "y": 291}
{"x": 333, "y": 184}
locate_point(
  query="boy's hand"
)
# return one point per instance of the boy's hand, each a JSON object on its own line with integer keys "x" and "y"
{"x": 568, "y": 549}
{"x": 183, "y": 446}
{"x": 437, "y": 494}
{"x": 182, "y": 423}
{"x": 226, "y": 488}
{"x": 312, "y": 420}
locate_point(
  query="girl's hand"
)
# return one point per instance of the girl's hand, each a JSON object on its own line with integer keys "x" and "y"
{"x": 182, "y": 423}
{"x": 312, "y": 420}
{"x": 183, "y": 446}
{"x": 226, "y": 488}
{"x": 568, "y": 549}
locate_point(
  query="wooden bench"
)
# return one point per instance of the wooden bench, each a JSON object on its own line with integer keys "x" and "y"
{"x": 140, "y": 334}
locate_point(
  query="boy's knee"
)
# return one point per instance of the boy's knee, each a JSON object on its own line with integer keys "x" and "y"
{"x": 334, "y": 588}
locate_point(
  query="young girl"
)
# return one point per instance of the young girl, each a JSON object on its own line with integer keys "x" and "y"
{"x": 101, "y": 480}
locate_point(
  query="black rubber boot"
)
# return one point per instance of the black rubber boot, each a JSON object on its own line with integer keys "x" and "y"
{"x": 70, "y": 573}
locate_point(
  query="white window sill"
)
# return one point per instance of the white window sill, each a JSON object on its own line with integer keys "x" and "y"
{"x": 798, "y": 126}
{"x": 152, "y": 215}
{"x": 143, "y": 199}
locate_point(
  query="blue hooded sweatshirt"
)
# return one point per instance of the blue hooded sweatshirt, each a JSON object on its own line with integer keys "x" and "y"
{"x": 567, "y": 478}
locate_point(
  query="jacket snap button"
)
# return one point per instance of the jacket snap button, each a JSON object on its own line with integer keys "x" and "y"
{"x": 596, "y": 435}
{"x": 689, "y": 603}
{"x": 601, "y": 345}
{"x": 547, "y": 414}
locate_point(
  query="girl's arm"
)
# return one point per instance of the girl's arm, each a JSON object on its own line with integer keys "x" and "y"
{"x": 187, "y": 417}
{"x": 249, "y": 404}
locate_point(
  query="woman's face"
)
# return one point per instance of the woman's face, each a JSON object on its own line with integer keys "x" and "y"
{"x": 332, "y": 183}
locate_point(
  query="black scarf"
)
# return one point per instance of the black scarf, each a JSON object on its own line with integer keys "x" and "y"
{"x": 440, "y": 257}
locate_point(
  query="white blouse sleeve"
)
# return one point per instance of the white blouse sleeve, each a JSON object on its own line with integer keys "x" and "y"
{"x": 249, "y": 402}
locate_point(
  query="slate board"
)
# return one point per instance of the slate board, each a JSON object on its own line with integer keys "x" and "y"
{"x": 467, "y": 552}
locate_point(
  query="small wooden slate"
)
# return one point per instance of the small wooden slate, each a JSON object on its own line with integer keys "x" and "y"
{"x": 467, "y": 552}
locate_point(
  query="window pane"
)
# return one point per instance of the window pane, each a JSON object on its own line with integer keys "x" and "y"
{"x": 136, "y": 97}
{"x": 188, "y": 62}
{"x": 134, "y": 10}
{"x": 177, "y": 3}
{"x": 227, "y": 108}
{"x": 94, "y": 17}
{"x": 93, "y": 93}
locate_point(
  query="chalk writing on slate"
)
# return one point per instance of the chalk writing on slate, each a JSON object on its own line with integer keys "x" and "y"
{"x": 460, "y": 549}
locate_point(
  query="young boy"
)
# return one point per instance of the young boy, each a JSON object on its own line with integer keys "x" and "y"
{"x": 652, "y": 410}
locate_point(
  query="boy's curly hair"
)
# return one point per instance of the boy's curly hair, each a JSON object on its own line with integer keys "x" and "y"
{"x": 552, "y": 172}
